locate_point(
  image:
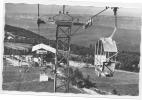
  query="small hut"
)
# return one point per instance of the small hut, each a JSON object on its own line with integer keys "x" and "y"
{"x": 105, "y": 56}
{"x": 44, "y": 53}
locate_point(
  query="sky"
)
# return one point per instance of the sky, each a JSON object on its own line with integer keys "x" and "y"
{"x": 99, "y": 3}
{"x": 131, "y": 8}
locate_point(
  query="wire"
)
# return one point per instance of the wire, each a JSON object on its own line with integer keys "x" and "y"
{"x": 99, "y": 12}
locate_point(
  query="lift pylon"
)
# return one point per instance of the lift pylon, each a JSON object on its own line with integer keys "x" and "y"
{"x": 63, "y": 37}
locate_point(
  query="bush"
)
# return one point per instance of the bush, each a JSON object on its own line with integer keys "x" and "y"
{"x": 76, "y": 76}
{"x": 129, "y": 61}
{"x": 114, "y": 92}
{"x": 36, "y": 64}
{"x": 81, "y": 82}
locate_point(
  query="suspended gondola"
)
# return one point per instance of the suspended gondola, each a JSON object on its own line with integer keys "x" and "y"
{"x": 105, "y": 53}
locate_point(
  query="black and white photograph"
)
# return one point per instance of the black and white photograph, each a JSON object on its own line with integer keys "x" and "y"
{"x": 72, "y": 48}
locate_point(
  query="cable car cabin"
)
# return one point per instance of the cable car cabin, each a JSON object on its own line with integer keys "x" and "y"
{"x": 105, "y": 57}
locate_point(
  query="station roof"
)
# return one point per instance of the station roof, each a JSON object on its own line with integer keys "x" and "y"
{"x": 109, "y": 45}
{"x": 63, "y": 17}
{"x": 43, "y": 46}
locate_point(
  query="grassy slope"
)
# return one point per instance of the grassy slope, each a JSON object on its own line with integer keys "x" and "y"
{"x": 16, "y": 80}
{"x": 125, "y": 83}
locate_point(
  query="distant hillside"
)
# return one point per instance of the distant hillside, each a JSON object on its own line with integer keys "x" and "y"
{"x": 23, "y": 38}
{"x": 128, "y": 35}
{"x": 17, "y": 31}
